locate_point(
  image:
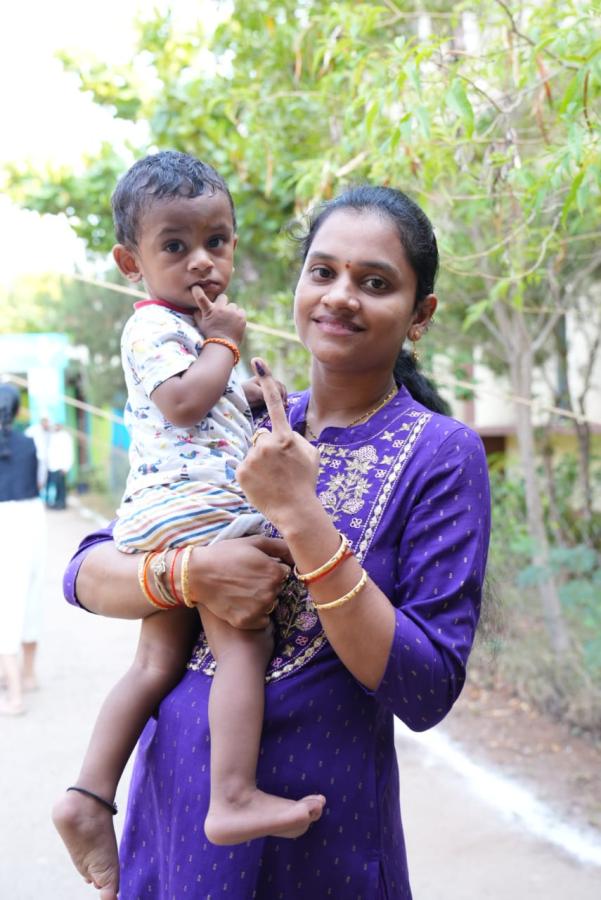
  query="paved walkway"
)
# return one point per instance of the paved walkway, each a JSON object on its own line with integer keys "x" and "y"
{"x": 459, "y": 849}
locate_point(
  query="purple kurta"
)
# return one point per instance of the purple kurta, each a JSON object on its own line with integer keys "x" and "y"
{"x": 409, "y": 488}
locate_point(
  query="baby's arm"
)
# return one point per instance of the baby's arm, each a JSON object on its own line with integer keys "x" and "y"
{"x": 186, "y": 398}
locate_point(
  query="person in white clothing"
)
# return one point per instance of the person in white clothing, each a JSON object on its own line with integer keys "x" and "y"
{"x": 60, "y": 463}
{"x": 22, "y": 525}
{"x": 41, "y": 433}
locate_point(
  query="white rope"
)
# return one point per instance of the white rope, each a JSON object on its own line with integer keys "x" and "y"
{"x": 289, "y": 336}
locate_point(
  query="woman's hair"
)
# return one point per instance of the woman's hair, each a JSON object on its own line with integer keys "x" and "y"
{"x": 9, "y": 407}
{"x": 417, "y": 238}
{"x": 161, "y": 176}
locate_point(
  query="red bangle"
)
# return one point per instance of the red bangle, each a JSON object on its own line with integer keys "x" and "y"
{"x": 343, "y": 552}
{"x": 225, "y": 343}
{"x": 329, "y": 571}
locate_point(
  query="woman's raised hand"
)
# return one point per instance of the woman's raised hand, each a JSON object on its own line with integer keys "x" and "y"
{"x": 279, "y": 474}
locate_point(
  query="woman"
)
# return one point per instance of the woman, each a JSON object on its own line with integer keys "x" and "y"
{"x": 22, "y": 526}
{"x": 384, "y": 630}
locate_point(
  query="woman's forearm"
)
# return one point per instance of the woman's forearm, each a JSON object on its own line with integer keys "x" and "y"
{"x": 237, "y": 580}
{"x": 360, "y": 631}
{"x": 107, "y": 584}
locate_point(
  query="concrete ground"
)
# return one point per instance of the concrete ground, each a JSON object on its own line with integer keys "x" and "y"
{"x": 459, "y": 848}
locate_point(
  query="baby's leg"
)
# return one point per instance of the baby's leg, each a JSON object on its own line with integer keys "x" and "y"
{"x": 84, "y": 824}
{"x": 238, "y": 810}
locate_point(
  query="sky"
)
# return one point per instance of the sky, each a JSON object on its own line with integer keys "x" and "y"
{"x": 44, "y": 118}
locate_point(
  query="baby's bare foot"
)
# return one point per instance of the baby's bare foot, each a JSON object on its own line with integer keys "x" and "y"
{"x": 260, "y": 815}
{"x": 87, "y": 831}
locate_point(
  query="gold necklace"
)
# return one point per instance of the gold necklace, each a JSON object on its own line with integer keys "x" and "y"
{"x": 362, "y": 418}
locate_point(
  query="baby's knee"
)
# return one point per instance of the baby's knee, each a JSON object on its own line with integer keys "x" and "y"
{"x": 159, "y": 663}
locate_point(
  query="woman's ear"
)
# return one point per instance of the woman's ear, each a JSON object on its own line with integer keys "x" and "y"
{"x": 423, "y": 315}
{"x": 127, "y": 263}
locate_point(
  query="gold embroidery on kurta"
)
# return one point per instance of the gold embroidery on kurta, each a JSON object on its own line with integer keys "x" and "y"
{"x": 344, "y": 491}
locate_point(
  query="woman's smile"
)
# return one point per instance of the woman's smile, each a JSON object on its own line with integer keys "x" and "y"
{"x": 335, "y": 325}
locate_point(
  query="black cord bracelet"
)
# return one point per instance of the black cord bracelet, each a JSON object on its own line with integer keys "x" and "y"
{"x": 101, "y": 800}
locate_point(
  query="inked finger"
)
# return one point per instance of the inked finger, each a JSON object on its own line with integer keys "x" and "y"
{"x": 272, "y": 397}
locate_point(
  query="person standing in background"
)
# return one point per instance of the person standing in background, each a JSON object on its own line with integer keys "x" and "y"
{"x": 60, "y": 462}
{"x": 41, "y": 433}
{"x": 22, "y": 526}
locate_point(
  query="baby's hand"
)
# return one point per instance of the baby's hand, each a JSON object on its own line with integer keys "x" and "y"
{"x": 219, "y": 318}
{"x": 254, "y": 392}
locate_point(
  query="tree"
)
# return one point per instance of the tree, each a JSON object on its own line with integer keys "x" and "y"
{"x": 488, "y": 114}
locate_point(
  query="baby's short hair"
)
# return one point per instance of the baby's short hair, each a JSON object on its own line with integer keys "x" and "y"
{"x": 160, "y": 176}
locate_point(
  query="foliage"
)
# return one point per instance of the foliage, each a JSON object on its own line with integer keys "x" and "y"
{"x": 577, "y": 564}
{"x": 489, "y": 118}
{"x": 93, "y": 317}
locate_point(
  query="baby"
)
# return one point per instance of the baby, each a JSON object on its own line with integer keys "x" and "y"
{"x": 190, "y": 424}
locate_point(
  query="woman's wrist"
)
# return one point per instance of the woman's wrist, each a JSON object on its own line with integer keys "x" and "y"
{"x": 299, "y": 519}
{"x": 312, "y": 537}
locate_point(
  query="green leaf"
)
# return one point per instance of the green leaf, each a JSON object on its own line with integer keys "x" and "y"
{"x": 474, "y": 312}
{"x": 457, "y": 100}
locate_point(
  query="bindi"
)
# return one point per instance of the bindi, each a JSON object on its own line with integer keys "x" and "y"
{"x": 347, "y": 264}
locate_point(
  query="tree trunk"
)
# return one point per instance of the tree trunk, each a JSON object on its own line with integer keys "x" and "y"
{"x": 563, "y": 399}
{"x": 520, "y": 366}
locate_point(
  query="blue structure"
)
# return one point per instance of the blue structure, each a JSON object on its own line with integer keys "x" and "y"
{"x": 42, "y": 360}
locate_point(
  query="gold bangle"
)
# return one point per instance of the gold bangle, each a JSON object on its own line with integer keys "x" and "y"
{"x": 186, "y": 576}
{"x": 345, "y": 597}
{"x": 225, "y": 343}
{"x": 332, "y": 562}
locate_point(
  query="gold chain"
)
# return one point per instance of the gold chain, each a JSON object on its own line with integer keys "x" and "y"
{"x": 362, "y": 418}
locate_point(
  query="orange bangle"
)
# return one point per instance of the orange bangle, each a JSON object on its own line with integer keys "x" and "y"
{"x": 343, "y": 552}
{"x": 225, "y": 343}
{"x": 345, "y": 555}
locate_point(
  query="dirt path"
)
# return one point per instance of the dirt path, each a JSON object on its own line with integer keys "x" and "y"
{"x": 459, "y": 847}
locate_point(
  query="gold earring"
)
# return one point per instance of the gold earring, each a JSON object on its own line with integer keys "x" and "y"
{"x": 414, "y": 336}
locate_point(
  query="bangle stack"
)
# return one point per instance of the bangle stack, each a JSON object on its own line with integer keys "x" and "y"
{"x": 343, "y": 552}
{"x": 225, "y": 343}
{"x": 164, "y": 595}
